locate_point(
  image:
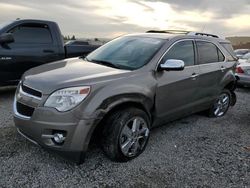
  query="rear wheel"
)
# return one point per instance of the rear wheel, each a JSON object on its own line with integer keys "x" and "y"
{"x": 125, "y": 134}
{"x": 221, "y": 105}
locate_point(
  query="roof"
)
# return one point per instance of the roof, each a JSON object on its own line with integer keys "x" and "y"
{"x": 33, "y": 21}
{"x": 180, "y": 35}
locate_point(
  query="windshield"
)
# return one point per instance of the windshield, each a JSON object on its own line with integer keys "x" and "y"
{"x": 247, "y": 56}
{"x": 127, "y": 52}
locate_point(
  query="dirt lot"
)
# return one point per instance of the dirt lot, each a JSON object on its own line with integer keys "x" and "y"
{"x": 193, "y": 152}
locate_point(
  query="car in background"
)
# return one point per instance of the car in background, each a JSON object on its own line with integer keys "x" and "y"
{"x": 25, "y": 44}
{"x": 242, "y": 73}
{"x": 241, "y": 52}
{"x": 74, "y": 46}
{"x": 245, "y": 58}
{"x": 77, "y": 42}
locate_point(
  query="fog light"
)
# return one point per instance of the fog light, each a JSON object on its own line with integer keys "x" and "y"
{"x": 58, "y": 138}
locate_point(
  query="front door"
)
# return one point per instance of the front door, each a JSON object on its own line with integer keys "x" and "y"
{"x": 176, "y": 91}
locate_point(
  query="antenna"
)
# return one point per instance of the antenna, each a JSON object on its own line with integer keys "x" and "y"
{"x": 203, "y": 29}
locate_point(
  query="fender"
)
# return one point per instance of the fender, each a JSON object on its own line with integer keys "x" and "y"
{"x": 143, "y": 101}
{"x": 229, "y": 80}
{"x": 103, "y": 99}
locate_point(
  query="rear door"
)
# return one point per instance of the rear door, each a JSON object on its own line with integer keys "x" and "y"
{"x": 210, "y": 60}
{"x": 176, "y": 91}
{"x": 33, "y": 46}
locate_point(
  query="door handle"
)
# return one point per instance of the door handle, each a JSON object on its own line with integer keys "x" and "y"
{"x": 222, "y": 69}
{"x": 48, "y": 51}
{"x": 194, "y": 76}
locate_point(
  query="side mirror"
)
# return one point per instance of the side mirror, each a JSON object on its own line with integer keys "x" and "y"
{"x": 6, "y": 38}
{"x": 172, "y": 65}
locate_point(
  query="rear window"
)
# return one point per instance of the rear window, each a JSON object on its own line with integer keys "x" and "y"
{"x": 80, "y": 43}
{"x": 229, "y": 49}
{"x": 209, "y": 53}
{"x": 32, "y": 34}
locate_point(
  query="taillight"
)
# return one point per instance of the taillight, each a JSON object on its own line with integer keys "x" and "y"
{"x": 239, "y": 70}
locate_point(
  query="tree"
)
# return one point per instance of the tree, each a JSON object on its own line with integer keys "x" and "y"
{"x": 73, "y": 37}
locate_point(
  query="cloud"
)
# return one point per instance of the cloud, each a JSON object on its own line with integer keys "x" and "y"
{"x": 110, "y": 18}
{"x": 221, "y": 9}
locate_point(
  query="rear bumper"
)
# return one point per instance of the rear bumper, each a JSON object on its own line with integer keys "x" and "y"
{"x": 243, "y": 79}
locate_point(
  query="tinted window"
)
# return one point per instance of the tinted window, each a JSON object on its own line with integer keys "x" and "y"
{"x": 230, "y": 50}
{"x": 209, "y": 53}
{"x": 80, "y": 43}
{"x": 183, "y": 50}
{"x": 221, "y": 56}
{"x": 228, "y": 47}
{"x": 32, "y": 33}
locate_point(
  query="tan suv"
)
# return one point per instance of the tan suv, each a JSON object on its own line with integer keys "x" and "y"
{"x": 122, "y": 90}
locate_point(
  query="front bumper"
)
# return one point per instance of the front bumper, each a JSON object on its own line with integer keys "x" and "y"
{"x": 45, "y": 122}
{"x": 77, "y": 135}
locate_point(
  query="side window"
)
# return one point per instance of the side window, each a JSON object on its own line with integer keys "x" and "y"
{"x": 183, "y": 50}
{"x": 32, "y": 34}
{"x": 209, "y": 53}
{"x": 221, "y": 56}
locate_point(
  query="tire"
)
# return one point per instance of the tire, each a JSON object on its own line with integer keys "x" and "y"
{"x": 125, "y": 135}
{"x": 221, "y": 104}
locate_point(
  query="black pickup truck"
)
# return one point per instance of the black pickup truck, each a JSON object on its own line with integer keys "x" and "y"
{"x": 29, "y": 43}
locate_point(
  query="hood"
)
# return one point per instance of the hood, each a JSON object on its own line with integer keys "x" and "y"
{"x": 69, "y": 73}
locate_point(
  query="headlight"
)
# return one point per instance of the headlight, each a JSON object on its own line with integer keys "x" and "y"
{"x": 66, "y": 99}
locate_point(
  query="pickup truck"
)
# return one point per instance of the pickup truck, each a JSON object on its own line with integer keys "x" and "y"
{"x": 25, "y": 44}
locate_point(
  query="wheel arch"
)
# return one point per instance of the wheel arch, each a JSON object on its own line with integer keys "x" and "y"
{"x": 119, "y": 103}
{"x": 231, "y": 86}
{"x": 229, "y": 81}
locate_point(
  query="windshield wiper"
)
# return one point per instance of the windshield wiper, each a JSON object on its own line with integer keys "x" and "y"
{"x": 101, "y": 62}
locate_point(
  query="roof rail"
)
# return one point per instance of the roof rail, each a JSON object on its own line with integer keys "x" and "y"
{"x": 202, "y": 34}
{"x": 169, "y": 31}
{"x": 182, "y": 32}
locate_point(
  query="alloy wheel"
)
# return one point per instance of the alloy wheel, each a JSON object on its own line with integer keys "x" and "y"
{"x": 134, "y": 136}
{"x": 221, "y": 105}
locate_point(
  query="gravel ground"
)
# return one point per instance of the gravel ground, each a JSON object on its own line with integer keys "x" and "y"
{"x": 193, "y": 152}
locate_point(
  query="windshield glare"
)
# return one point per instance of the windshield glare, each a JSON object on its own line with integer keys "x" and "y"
{"x": 127, "y": 52}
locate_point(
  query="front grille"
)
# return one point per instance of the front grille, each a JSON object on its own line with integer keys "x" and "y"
{"x": 31, "y": 91}
{"x": 24, "y": 109}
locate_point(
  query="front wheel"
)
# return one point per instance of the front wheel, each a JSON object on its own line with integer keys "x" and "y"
{"x": 126, "y": 134}
{"x": 221, "y": 105}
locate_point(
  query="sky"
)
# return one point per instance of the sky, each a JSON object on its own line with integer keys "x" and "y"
{"x": 112, "y": 18}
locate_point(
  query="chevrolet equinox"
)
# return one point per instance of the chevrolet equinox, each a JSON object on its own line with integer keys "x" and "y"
{"x": 122, "y": 90}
